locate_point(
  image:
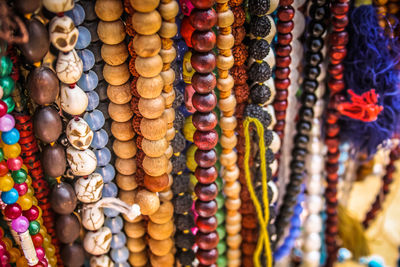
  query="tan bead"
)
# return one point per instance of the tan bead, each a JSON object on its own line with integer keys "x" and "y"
{"x": 169, "y": 152}
{"x": 160, "y": 247}
{"x": 134, "y": 230}
{"x": 164, "y": 213}
{"x": 228, "y": 159}
{"x": 153, "y": 129}
{"x": 169, "y": 115}
{"x": 170, "y": 180}
{"x": 155, "y": 166}
{"x": 126, "y": 182}
{"x": 114, "y": 54}
{"x": 146, "y": 23}
{"x": 149, "y": 66}
{"x": 225, "y": 19}
{"x": 232, "y": 190}
{"x": 154, "y": 148}
{"x": 228, "y": 123}
{"x": 156, "y": 183}
{"x": 116, "y": 75}
{"x": 225, "y": 63}
{"x": 169, "y": 10}
{"x": 137, "y": 219}
{"x": 225, "y": 84}
{"x": 150, "y": 87}
{"x": 227, "y": 104}
{"x": 151, "y": 108}
{"x": 146, "y": 45}
{"x": 225, "y": 41}
{"x": 166, "y": 195}
{"x": 108, "y": 10}
{"x": 236, "y": 219}
{"x": 233, "y": 254}
{"x": 168, "y": 29}
{"x": 232, "y": 174}
{"x": 122, "y": 131}
{"x": 168, "y": 76}
{"x": 126, "y": 166}
{"x": 272, "y": 6}
{"x": 233, "y": 229}
{"x": 168, "y": 55}
{"x": 170, "y": 135}
{"x": 160, "y": 231}
{"x": 162, "y": 261}
{"x": 127, "y": 196}
{"x": 233, "y": 204}
{"x": 169, "y": 98}
{"x": 228, "y": 142}
{"x": 138, "y": 259}
{"x": 148, "y": 202}
{"x": 119, "y": 94}
{"x": 234, "y": 241}
{"x": 112, "y": 32}
{"x": 221, "y": 1}
{"x": 120, "y": 113}
{"x": 144, "y": 5}
{"x": 136, "y": 244}
{"x": 234, "y": 262}
{"x": 124, "y": 149}
{"x": 170, "y": 167}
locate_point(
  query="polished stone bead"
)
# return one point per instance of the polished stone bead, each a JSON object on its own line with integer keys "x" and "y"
{"x": 110, "y": 212}
{"x": 206, "y": 209}
{"x": 203, "y": 19}
{"x": 103, "y": 156}
{"x": 100, "y": 139}
{"x": 88, "y": 59}
{"x": 120, "y": 254}
{"x": 207, "y": 240}
{"x": 285, "y": 39}
{"x": 205, "y": 140}
{"x": 118, "y": 240}
{"x": 283, "y": 62}
{"x": 203, "y": 4}
{"x": 281, "y": 94}
{"x": 204, "y": 102}
{"x": 206, "y": 175}
{"x": 282, "y": 84}
{"x": 93, "y": 100}
{"x": 108, "y": 172}
{"x": 281, "y": 105}
{"x": 283, "y": 50}
{"x": 95, "y": 119}
{"x": 204, "y": 83}
{"x": 84, "y": 38}
{"x": 205, "y": 158}
{"x": 285, "y": 13}
{"x": 207, "y": 224}
{"x": 285, "y": 27}
{"x": 115, "y": 224}
{"x": 207, "y": 257}
{"x": 203, "y": 62}
{"x": 282, "y": 73}
{"x": 339, "y": 38}
{"x": 88, "y": 81}
{"x": 206, "y": 192}
{"x": 203, "y": 41}
{"x": 77, "y": 14}
{"x": 110, "y": 190}
{"x": 204, "y": 121}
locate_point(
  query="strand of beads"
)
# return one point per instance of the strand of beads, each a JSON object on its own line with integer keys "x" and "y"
{"x": 318, "y": 13}
{"x": 336, "y": 84}
{"x": 204, "y": 100}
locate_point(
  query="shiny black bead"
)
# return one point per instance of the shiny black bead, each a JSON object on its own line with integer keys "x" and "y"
{"x": 297, "y": 166}
{"x": 310, "y": 85}
{"x": 316, "y": 29}
{"x": 318, "y": 12}
{"x": 308, "y": 99}
{"x": 301, "y": 140}
{"x": 312, "y": 72}
{"x": 314, "y": 59}
{"x": 320, "y": 2}
{"x": 306, "y": 114}
{"x": 303, "y": 127}
{"x": 299, "y": 153}
{"x": 315, "y": 44}
{"x": 296, "y": 179}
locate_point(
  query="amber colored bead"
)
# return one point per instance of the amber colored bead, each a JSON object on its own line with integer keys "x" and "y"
{"x": 207, "y": 257}
{"x": 206, "y": 209}
{"x": 333, "y": 157}
{"x": 332, "y": 130}
{"x": 206, "y": 175}
{"x": 340, "y": 22}
{"x": 283, "y": 50}
{"x": 336, "y": 85}
{"x": 204, "y": 121}
{"x": 203, "y": 4}
{"x": 206, "y": 192}
{"x": 338, "y": 8}
{"x": 335, "y": 69}
{"x": 280, "y": 115}
{"x": 204, "y": 83}
{"x": 285, "y": 27}
{"x": 337, "y": 54}
{"x": 205, "y": 158}
{"x": 339, "y": 38}
{"x": 282, "y": 84}
{"x": 283, "y": 62}
{"x": 281, "y": 105}
{"x": 248, "y": 261}
{"x": 203, "y": 19}
{"x": 205, "y": 140}
{"x": 282, "y": 73}
{"x": 203, "y": 62}
{"x": 207, "y": 224}
{"x": 203, "y": 41}
{"x": 204, "y": 102}
{"x": 281, "y": 94}
{"x": 285, "y": 13}
{"x": 285, "y": 2}
{"x": 332, "y": 143}
{"x": 249, "y": 248}
{"x": 332, "y": 176}
{"x": 285, "y": 39}
{"x": 207, "y": 240}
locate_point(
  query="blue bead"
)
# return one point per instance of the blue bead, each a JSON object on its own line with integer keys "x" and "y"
{"x": 120, "y": 255}
{"x": 100, "y": 139}
{"x": 121, "y": 264}
{"x": 93, "y": 100}
{"x": 115, "y": 224}
{"x": 88, "y": 81}
{"x": 95, "y": 119}
{"x": 341, "y": 170}
{"x": 108, "y": 172}
{"x": 118, "y": 240}
{"x": 77, "y": 14}
{"x": 295, "y": 221}
{"x": 88, "y": 59}
{"x": 10, "y": 197}
{"x": 11, "y": 137}
{"x": 84, "y": 38}
{"x": 110, "y": 212}
{"x": 103, "y": 156}
{"x": 110, "y": 190}
{"x": 295, "y": 232}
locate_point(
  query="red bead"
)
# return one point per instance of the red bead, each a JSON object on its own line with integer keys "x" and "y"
{"x": 13, "y": 211}
{"x": 206, "y": 209}
{"x": 204, "y": 102}
{"x": 206, "y": 175}
{"x": 337, "y": 54}
{"x": 207, "y": 224}
{"x": 21, "y": 188}
{"x": 336, "y": 85}
{"x": 285, "y": 13}
{"x": 333, "y": 157}
{"x": 205, "y": 140}
{"x": 280, "y": 115}
{"x": 206, "y": 192}
{"x": 340, "y": 22}
{"x": 283, "y": 62}
{"x": 339, "y": 38}
{"x": 203, "y": 19}
{"x": 283, "y": 50}
{"x": 203, "y": 4}
{"x": 281, "y": 95}
{"x": 207, "y": 257}
{"x": 282, "y": 84}
{"x": 187, "y": 31}
{"x": 3, "y": 168}
{"x": 279, "y": 126}
{"x": 14, "y": 164}
{"x": 3, "y": 108}
{"x": 285, "y": 2}
{"x": 285, "y": 39}
{"x": 333, "y": 144}
{"x": 203, "y": 41}
{"x": 285, "y": 27}
{"x": 31, "y": 214}
{"x": 37, "y": 240}
{"x": 203, "y": 62}
{"x": 205, "y": 158}
{"x": 282, "y": 73}
{"x": 332, "y": 130}
{"x": 204, "y": 121}
{"x": 204, "y": 83}
{"x": 207, "y": 240}
{"x": 338, "y": 8}
{"x": 281, "y": 105}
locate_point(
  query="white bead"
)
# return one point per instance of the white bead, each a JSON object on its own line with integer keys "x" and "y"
{"x": 81, "y": 162}
{"x": 69, "y": 67}
{"x": 299, "y": 22}
{"x": 313, "y": 224}
{"x": 314, "y": 203}
{"x": 101, "y": 261}
{"x": 98, "y": 243}
{"x": 315, "y": 146}
{"x": 271, "y": 111}
{"x": 294, "y": 76}
{"x": 312, "y": 242}
{"x": 58, "y": 6}
{"x": 92, "y": 218}
{"x": 319, "y": 108}
{"x": 276, "y": 142}
{"x": 275, "y": 191}
{"x": 314, "y": 164}
{"x": 79, "y": 133}
{"x": 73, "y": 100}
{"x": 88, "y": 190}
{"x": 274, "y": 166}
{"x": 311, "y": 259}
{"x": 63, "y": 33}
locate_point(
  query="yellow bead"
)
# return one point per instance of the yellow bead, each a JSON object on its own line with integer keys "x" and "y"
{"x": 14, "y": 254}
{"x": 40, "y": 213}
{"x": 12, "y": 151}
{"x": 31, "y": 191}
{"x": 25, "y": 168}
{"x": 46, "y": 239}
{"x": 25, "y": 202}
{"x": 190, "y": 161}
{"x": 22, "y": 262}
{"x": 29, "y": 181}
{"x": 8, "y": 243}
{"x": 52, "y": 261}
{"x": 6, "y": 182}
{"x": 189, "y": 129}
{"x": 40, "y": 220}
{"x": 50, "y": 250}
{"x": 34, "y": 201}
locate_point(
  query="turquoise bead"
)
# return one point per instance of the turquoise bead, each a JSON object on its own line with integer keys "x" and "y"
{"x": 8, "y": 85}
{"x": 10, "y": 137}
{"x": 10, "y": 197}
{"x": 5, "y": 66}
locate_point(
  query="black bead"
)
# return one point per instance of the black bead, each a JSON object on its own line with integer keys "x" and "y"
{"x": 181, "y": 183}
{"x": 308, "y": 99}
{"x": 301, "y": 140}
{"x": 259, "y": 7}
{"x": 184, "y": 240}
{"x": 313, "y": 59}
{"x": 310, "y": 85}
{"x": 268, "y": 137}
{"x": 182, "y": 203}
{"x": 260, "y": 26}
{"x": 186, "y": 258}
{"x": 306, "y": 114}
{"x": 316, "y": 29}
{"x": 255, "y": 111}
{"x": 303, "y": 127}
{"x": 260, "y": 72}
{"x": 178, "y": 164}
{"x": 259, "y": 49}
{"x": 315, "y": 44}
{"x": 260, "y": 93}
{"x": 311, "y": 72}
{"x": 299, "y": 153}
{"x": 297, "y": 166}
{"x": 318, "y": 12}
{"x": 269, "y": 156}
{"x": 184, "y": 221}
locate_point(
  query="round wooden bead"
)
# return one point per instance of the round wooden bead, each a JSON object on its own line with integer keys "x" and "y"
{"x": 149, "y": 67}
{"x": 228, "y": 159}
{"x": 169, "y": 115}
{"x": 153, "y": 129}
{"x": 134, "y": 230}
{"x": 233, "y": 204}
{"x": 160, "y": 261}
{"x": 58, "y": 6}
{"x": 155, "y": 166}
{"x": 225, "y": 84}
{"x": 234, "y": 241}
{"x": 112, "y": 32}
{"x": 227, "y": 104}
{"x": 233, "y": 255}
{"x": 108, "y": 10}
{"x": 228, "y": 123}
{"x": 154, "y": 148}
{"x": 170, "y": 134}
{"x": 116, "y": 75}
{"x": 119, "y": 94}
{"x": 38, "y": 45}
{"x": 152, "y": 108}
{"x": 47, "y": 124}
{"x": 160, "y": 231}
{"x": 122, "y": 131}
{"x": 148, "y": 201}
{"x": 169, "y": 152}
{"x": 225, "y": 63}
{"x": 114, "y": 54}
{"x": 169, "y": 10}
{"x": 156, "y": 183}
{"x": 144, "y": 6}
{"x": 168, "y": 77}
{"x": 168, "y": 55}
{"x": 233, "y": 229}
{"x": 120, "y": 113}
{"x": 126, "y": 166}
{"x": 225, "y": 19}
{"x": 231, "y": 174}
{"x": 43, "y": 86}
{"x": 126, "y": 182}
{"x": 166, "y": 195}
{"x": 136, "y": 244}
{"x": 138, "y": 259}
{"x": 232, "y": 190}
{"x": 225, "y": 41}
{"x": 168, "y": 29}
{"x": 164, "y": 213}
{"x": 127, "y": 196}
{"x": 53, "y": 160}
{"x": 235, "y": 219}
{"x": 149, "y": 87}
{"x": 146, "y": 23}
{"x": 124, "y": 149}
{"x": 160, "y": 247}
{"x": 228, "y": 142}
{"x": 147, "y": 45}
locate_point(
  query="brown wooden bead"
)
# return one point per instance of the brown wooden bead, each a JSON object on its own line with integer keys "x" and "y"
{"x": 149, "y": 87}
{"x": 146, "y": 45}
{"x": 225, "y": 41}
{"x": 232, "y": 190}
{"x": 162, "y": 261}
{"x": 160, "y": 231}
{"x": 168, "y": 11}
{"x": 166, "y": 195}
{"x": 138, "y": 259}
{"x": 155, "y": 166}
{"x": 153, "y": 129}
{"x": 122, "y": 131}
{"x": 228, "y": 159}
{"x": 136, "y": 244}
{"x": 134, "y": 230}
{"x": 154, "y": 148}
{"x": 234, "y": 241}
{"x": 228, "y": 142}
{"x": 148, "y": 201}
{"x": 111, "y": 33}
{"x": 225, "y": 19}
{"x": 151, "y": 108}
{"x": 149, "y": 67}
{"x": 228, "y": 123}
{"x": 114, "y": 54}
{"x": 227, "y": 104}
{"x": 125, "y": 166}
{"x": 124, "y": 149}
{"x": 120, "y": 113}
{"x": 168, "y": 30}
{"x": 233, "y": 204}
{"x": 203, "y": 19}
{"x": 168, "y": 56}
{"x": 119, "y": 94}
{"x": 144, "y": 6}
{"x": 108, "y": 10}
{"x": 225, "y": 63}
{"x": 146, "y": 23}
{"x": 168, "y": 77}
{"x": 126, "y": 182}
{"x": 225, "y": 84}
{"x": 156, "y": 183}
{"x": 116, "y": 75}
{"x": 160, "y": 247}
{"x": 164, "y": 213}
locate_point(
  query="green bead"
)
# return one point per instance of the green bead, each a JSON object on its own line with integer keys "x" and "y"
{"x": 218, "y": 165}
{"x": 221, "y": 231}
{"x": 219, "y": 131}
{"x": 221, "y": 261}
{"x": 19, "y": 176}
{"x": 1, "y": 154}
{"x": 218, "y": 149}
{"x": 220, "y": 201}
{"x": 34, "y": 227}
{"x": 8, "y": 85}
{"x": 10, "y": 103}
{"x": 5, "y": 66}
{"x": 219, "y": 183}
{"x": 220, "y": 215}
{"x": 221, "y": 247}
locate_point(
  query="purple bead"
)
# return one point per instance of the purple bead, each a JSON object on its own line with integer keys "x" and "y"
{"x": 20, "y": 225}
{"x": 7, "y": 122}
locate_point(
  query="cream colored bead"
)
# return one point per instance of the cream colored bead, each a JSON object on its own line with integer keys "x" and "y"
{"x": 225, "y": 19}
{"x": 225, "y": 42}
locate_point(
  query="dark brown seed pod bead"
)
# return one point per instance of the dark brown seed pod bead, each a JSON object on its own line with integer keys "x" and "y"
{"x": 206, "y": 209}
{"x": 204, "y": 83}
{"x": 203, "y": 62}
{"x": 205, "y": 158}
{"x": 206, "y": 175}
{"x": 204, "y": 102}
{"x": 203, "y": 41}
{"x": 206, "y": 192}
{"x": 207, "y": 257}
{"x": 203, "y": 20}
{"x": 207, "y": 224}
{"x": 204, "y": 121}
{"x": 207, "y": 241}
{"x": 205, "y": 140}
